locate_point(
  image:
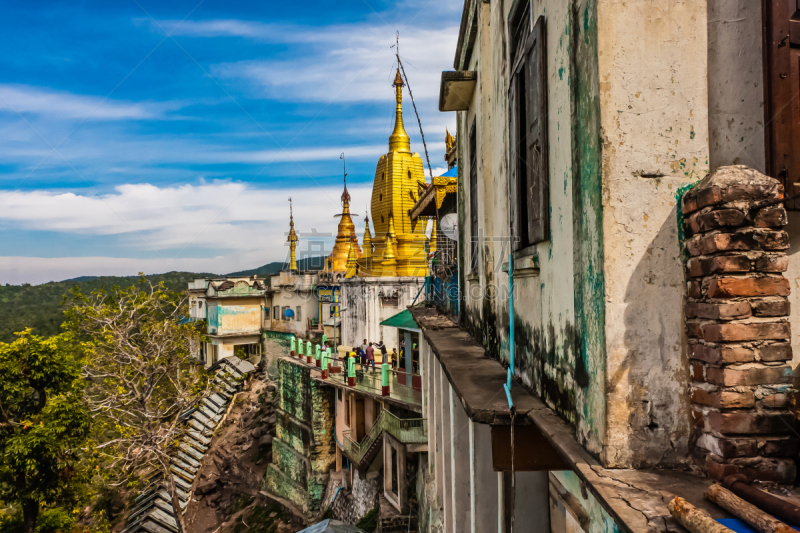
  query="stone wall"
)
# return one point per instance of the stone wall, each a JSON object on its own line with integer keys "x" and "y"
{"x": 737, "y": 323}
{"x": 303, "y": 450}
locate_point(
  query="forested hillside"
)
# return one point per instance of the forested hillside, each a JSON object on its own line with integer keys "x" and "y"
{"x": 40, "y": 306}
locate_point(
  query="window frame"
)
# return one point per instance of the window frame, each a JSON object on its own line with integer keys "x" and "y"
{"x": 474, "y": 222}
{"x": 528, "y": 117}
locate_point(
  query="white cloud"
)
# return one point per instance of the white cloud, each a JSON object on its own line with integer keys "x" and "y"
{"x": 350, "y": 63}
{"x": 242, "y": 227}
{"x": 25, "y": 99}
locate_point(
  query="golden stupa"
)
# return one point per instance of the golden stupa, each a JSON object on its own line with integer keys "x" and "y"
{"x": 365, "y": 262}
{"x": 292, "y": 240}
{"x": 345, "y": 238}
{"x": 399, "y": 249}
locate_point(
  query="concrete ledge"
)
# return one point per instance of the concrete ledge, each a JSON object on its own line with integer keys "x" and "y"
{"x": 476, "y": 379}
{"x": 636, "y": 499}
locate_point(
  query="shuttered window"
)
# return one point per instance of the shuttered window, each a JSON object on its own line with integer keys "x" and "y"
{"x": 473, "y": 199}
{"x": 782, "y": 105}
{"x": 528, "y": 131}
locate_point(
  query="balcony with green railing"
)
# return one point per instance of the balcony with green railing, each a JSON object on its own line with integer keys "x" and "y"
{"x": 407, "y": 431}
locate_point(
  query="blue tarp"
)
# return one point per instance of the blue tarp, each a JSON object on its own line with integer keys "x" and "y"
{"x": 738, "y": 526}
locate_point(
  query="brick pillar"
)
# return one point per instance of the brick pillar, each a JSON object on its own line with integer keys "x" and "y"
{"x": 737, "y": 320}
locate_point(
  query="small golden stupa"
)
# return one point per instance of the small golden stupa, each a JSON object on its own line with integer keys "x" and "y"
{"x": 292, "y": 240}
{"x": 345, "y": 238}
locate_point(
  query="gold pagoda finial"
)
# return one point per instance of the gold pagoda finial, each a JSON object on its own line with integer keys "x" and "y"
{"x": 352, "y": 265}
{"x": 399, "y": 140}
{"x": 367, "y": 247}
{"x": 449, "y": 140}
{"x": 292, "y": 240}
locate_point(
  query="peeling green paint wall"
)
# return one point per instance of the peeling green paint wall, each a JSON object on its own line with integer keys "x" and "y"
{"x": 560, "y": 314}
{"x": 303, "y": 450}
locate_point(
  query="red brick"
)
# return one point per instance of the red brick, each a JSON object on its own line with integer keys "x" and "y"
{"x": 771, "y": 240}
{"x": 693, "y": 330}
{"x": 745, "y": 332}
{"x": 720, "y": 264}
{"x": 718, "y": 218}
{"x": 775, "y": 352}
{"x": 735, "y": 184}
{"x": 724, "y": 311}
{"x": 781, "y": 471}
{"x": 778, "y": 446}
{"x": 720, "y": 242}
{"x": 697, "y": 372}
{"x": 748, "y": 287}
{"x": 721, "y": 353}
{"x": 746, "y": 240}
{"x": 689, "y": 205}
{"x": 736, "y": 354}
{"x": 703, "y": 352}
{"x": 750, "y": 422}
{"x": 750, "y": 375}
{"x": 773, "y": 216}
{"x": 770, "y": 307}
{"x": 772, "y": 263}
{"x": 694, "y": 289}
{"x": 775, "y": 401}
{"x": 724, "y": 399}
{"x": 728, "y": 447}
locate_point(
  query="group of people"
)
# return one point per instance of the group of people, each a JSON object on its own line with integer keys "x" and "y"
{"x": 366, "y": 354}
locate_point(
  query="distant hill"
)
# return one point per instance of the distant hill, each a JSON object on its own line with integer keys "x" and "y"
{"x": 40, "y": 306}
{"x": 306, "y": 263}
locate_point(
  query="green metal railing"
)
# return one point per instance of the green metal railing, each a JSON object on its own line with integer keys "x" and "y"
{"x": 407, "y": 431}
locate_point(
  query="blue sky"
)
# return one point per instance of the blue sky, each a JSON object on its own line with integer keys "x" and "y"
{"x": 156, "y": 136}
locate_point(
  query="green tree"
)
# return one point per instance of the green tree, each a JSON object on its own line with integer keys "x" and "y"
{"x": 136, "y": 342}
{"x": 44, "y": 422}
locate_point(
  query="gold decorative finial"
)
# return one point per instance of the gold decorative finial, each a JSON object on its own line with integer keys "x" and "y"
{"x": 292, "y": 240}
{"x": 346, "y": 239}
{"x": 449, "y": 140}
{"x": 399, "y": 140}
{"x": 367, "y": 239}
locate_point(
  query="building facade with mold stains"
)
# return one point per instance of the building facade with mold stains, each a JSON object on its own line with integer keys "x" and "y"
{"x": 638, "y": 101}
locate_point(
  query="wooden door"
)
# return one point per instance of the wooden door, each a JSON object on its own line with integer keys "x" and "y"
{"x": 782, "y": 93}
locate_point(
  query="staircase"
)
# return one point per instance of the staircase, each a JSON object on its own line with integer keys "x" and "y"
{"x": 153, "y": 511}
{"x": 407, "y": 431}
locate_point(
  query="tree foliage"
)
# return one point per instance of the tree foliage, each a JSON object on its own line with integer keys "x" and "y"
{"x": 142, "y": 376}
{"x": 44, "y": 422}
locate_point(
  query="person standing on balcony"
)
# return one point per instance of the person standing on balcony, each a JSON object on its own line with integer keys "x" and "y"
{"x": 383, "y": 351}
{"x": 370, "y": 357}
{"x": 394, "y": 358}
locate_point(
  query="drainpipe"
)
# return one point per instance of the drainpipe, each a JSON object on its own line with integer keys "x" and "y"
{"x": 507, "y": 385}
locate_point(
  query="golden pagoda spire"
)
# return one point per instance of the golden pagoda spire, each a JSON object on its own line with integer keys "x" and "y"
{"x": 399, "y": 140}
{"x": 346, "y": 237}
{"x": 292, "y": 240}
{"x": 352, "y": 265}
{"x": 367, "y": 246}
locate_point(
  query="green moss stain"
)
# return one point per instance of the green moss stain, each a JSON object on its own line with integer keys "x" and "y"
{"x": 588, "y": 333}
{"x": 303, "y": 450}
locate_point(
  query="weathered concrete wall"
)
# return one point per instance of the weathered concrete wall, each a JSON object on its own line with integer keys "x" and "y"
{"x": 239, "y": 316}
{"x": 570, "y": 502}
{"x": 275, "y": 345}
{"x": 366, "y": 308}
{"x": 560, "y": 352}
{"x": 303, "y": 450}
{"x": 654, "y": 124}
{"x": 735, "y": 84}
{"x": 305, "y": 301}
